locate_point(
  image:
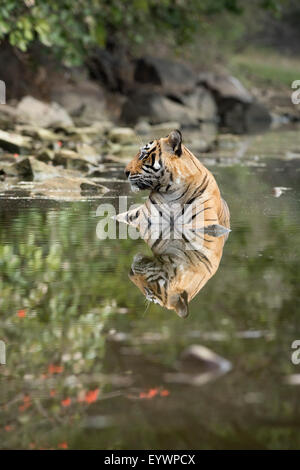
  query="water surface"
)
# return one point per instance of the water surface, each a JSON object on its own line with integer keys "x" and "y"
{"x": 88, "y": 360}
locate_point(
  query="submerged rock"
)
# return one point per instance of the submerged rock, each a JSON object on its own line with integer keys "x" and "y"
{"x": 199, "y": 365}
{"x": 43, "y": 114}
{"x": 67, "y": 188}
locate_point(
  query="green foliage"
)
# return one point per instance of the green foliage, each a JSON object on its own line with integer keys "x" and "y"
{"x": 70, "y": 27}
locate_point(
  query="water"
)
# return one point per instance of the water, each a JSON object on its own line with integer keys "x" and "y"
{"x": 88, "y": 361}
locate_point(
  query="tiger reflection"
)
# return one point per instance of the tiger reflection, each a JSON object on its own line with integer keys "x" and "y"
{"x": 176, "y": 272}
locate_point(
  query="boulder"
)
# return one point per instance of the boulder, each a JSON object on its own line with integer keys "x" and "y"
{"x": 171, "y": 76}
{"x": 189, "y": 110}
{"x": 113, "y": 68}
{"x": 8, "y": 116}
{"x": 35, "y": 170}
{"x": 246, "y": 118}
{"x": 84, "y": 101}
{"x": 225, "y": 87}
{"x": 238, "y": 111}
{"x": 202, "y": 102}
{"x": 39, "y": 113}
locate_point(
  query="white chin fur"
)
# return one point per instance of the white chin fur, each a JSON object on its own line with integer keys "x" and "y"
{"x": 134, "y": 188}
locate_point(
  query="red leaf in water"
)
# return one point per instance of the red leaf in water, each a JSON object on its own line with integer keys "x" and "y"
{"x": 8, "y": 428}
{"x": 26, "y": 403}
{"x": 59, "y": 143}
{"x": 21, "y": 313}
{"x": 149, "y": 394}
{"x": 66, "y": 402}
{"x": 63, "y": 445}
{"x": 52, "y": 393}
{"x": 152, "y": 392}
{"x": 91, "y": 396}
{"x": 164, "y": 393}
{"x": 55, "y": 369}
{"x": 16, "y": 155}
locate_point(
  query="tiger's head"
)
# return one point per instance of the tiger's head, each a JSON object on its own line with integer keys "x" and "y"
{"x": 154, "y": 165}
{"x": 160, "y": 283}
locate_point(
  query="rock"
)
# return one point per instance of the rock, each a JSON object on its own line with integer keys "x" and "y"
{"x": 160, "y": 130}
{"x": 84, "y": 100}
{"x": 225, "y": 86}
{"x": 8, "y": 116}
{"x": 171, "y": 76}
{"x": 89, "y": 153}
{"x": 97, "y": 128}
{"x": 122, "y": 135}
{"x": 199, "y": 365}
{"x": 203, "y": 104}
{"x": 142, "y": 127}
{"x": 125, "y": 152}
{"x": 32, "y": 169}
{"x": 277, "y": 191}
{"x": 45, "y": 155}
{"x": 198, "y": 357}
{"x": 157, "y": 109}
{"x": 39, "y": 132}
{"x": 14, "y": 142}
{"x": 238, "y": 110}
{"x": 74, "y": 160}
{"x": 246, "y": 118}
{"x": 67, "y": 188}
{"x": 43, "y": 114}
{"x": 113, "y": 68}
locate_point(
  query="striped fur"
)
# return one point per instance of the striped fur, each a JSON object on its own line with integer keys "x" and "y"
{"x": 184, "y": 201}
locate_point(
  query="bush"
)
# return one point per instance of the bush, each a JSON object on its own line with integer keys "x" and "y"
{"x": 71, "y": 27}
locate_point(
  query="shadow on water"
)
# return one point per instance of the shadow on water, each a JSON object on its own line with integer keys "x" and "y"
{"x": 90, "y": 365}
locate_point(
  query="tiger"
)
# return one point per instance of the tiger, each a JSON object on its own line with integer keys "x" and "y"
{"x": 175, "y": 177}
{"x": 185, "y": 199}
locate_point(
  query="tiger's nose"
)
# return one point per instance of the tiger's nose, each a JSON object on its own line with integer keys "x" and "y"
{"x": 127, "y": 173}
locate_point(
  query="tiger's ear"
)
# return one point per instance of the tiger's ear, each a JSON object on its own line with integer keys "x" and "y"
{"x": 174, "y": 139}
{"x": 181, "y": 306}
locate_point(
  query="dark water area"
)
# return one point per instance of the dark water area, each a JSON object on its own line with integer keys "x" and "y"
{"x": 90, "y": 364}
